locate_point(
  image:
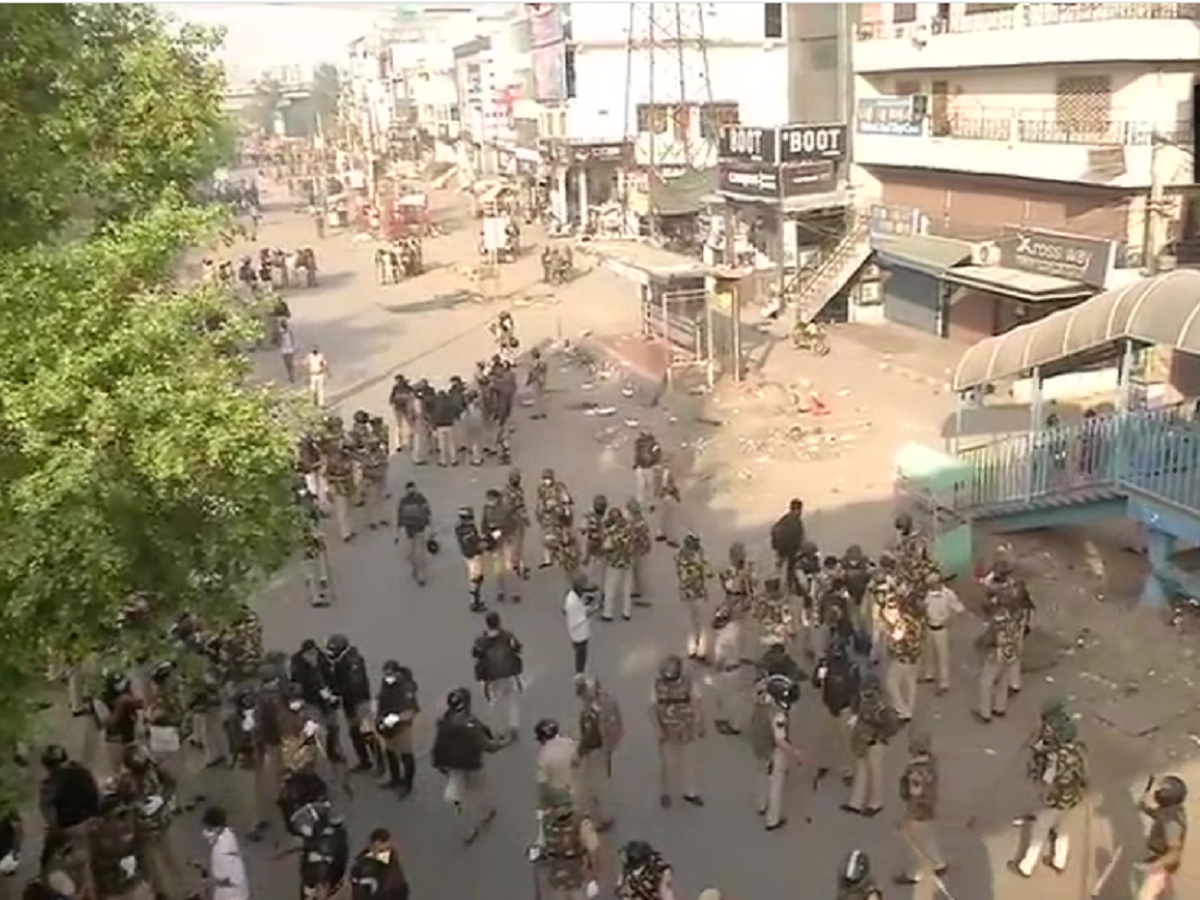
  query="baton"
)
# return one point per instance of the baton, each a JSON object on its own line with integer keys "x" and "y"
{"x": 1102, "y": 878}
{"x": 938, "y": 881}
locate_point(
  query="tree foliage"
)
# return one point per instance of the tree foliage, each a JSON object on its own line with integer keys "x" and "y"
{"x": 137, "y": 457}
{"x": 326, "y": 95}
{"x": 103, "y": 108}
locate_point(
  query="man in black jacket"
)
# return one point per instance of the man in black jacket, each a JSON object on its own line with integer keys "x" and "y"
{"x": 443, "y": 416}
{"x": 498, "y": 667}
{"x": 352, "y": 685}
{"x": 312, "y": 670}
{"x": 397, "y": 707}
{"x": 70, "y": 803}
{"x": 470, "y": 545}
{"x": 413, "y": 516}
{"x": 458, "y": 750}
{"x": 787, "y": 535}
{"x": 376, "y": 873}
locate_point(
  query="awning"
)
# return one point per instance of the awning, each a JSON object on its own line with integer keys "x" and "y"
{"x": 931, "y": 255}
{"x": 1163, "y": 310}
{"x": 1032, "y": 287}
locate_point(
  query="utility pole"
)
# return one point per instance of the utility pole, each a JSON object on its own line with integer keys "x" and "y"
{"x": 1154, "y": 221}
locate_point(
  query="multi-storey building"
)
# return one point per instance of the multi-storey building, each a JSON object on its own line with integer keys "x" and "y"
{"x": 1046, "y": 144}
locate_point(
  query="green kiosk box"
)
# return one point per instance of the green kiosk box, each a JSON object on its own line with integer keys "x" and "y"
{"x": 929, "y": 485}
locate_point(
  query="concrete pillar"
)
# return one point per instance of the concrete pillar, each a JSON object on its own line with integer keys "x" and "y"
{"x": 583, "y": 196}
{"x": 558, "y": 195}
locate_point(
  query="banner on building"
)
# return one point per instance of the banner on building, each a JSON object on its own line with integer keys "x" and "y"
{"x": 548, "y": 50}
{"x": 748, "y": 180}
{"x": 748, "y": 143}
{"x": 808, "y": 143}
{"x": 1075, "y": 257}
{"x": 802, "y": 179}
{"x": 896, "y": 116}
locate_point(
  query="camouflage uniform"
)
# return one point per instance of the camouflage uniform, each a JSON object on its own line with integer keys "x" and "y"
{"x": 339, "y": 473}
{"x": 1064, "y": 783}
{"x": 565, "y": 552}
{"x": 643, "y": 542}
{"x": 1001, "y": 647}
{"x": 693, "y": 571}
{"x": 373, "y": 467}
{"x": 242, "y": 648}
{"x": 513, "y": 497}
{"x": 535, "y": 380}
{"x": 316, "y": 567}
{"x": 156, "y": 848}
{"x": 905, "y": 643}
{"x": 883, "y": 595}
{"x": 593, "y": 543}
{"x": 617, "y": 550}
{"x": 874, "y": 725}
{"x": 772, "y": 614}
{"x": 740, "y": 585}
{"x": 553, "y": 500}
{"x": 919, "y": 793}
{"x": 675, "y": 709}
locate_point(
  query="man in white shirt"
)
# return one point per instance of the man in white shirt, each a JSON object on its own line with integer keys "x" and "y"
{"x": 287, "y": 350}
{"x": 941, "y": 605}
{"x": 226, "y": 869}
{"x": 579, "y": 627}
{"x": 318, "y": 374}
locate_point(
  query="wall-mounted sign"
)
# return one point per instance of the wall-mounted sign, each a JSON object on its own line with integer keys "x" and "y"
{"x": 585, "y": 153}
{"x": 1078, "y": 258}
{"x": 749, "y": 143}
{"x": 804, "y": 143}
{"x": 801, "y": 179}
{"x": 748, "y": 180}
{"x": 888, "y": 115}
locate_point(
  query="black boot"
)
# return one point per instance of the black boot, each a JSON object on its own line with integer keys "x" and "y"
{"x": 409, "y": 764}
{"x": 361, "y": 750}
{"x": 476, "y": 600}
{"x": 395, "y": 780}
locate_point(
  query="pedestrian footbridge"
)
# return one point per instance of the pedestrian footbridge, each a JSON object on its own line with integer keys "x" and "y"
{"x": 1133, "y": 462}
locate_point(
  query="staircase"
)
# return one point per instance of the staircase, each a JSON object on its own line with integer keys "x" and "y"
{"x": 1144, "y": 466}
{"x": 822, "y": 284}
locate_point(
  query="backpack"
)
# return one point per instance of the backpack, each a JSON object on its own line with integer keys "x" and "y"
{"x": 762, "y": 730}
{"x": 611, "y": 728}
{"x": 838, "y": 687}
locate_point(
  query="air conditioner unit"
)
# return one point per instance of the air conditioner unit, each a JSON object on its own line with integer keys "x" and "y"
{"x": 985, "y": 254}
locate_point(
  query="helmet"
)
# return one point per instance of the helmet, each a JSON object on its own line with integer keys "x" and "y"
{"x": 337, "y": 644}
{"x": 162, "y": 670}
{"x": 691, "y": 541}
{"x": 636, "y": 854}
{"x": 361, "y": 417}
{"x": 737, "y": 553}
{"x": 53, "y": 756}
{"x": 721, "y": 617}
{"x": 854, "y": 554}
{"x": 633, "y": 506}
{"x": 1170, "y": 791}
{"x": 671, "y": 668}
{"x": 599, "y": 503}
{"x": 1001, "y": 569}
{"x": 782, "y": 690}
{"x": 545, "y": 730}
{"x": 311, "y": 818}
{"x": 465, "y": 513}
{"x": 458, "y": 700}
{"x": 614, "y": 516}
{"x": 904, "y": 523}
{"x": 856, "y": 869}
{"x": 514, "y": 476}
{"x": 547, "y": 475}
{"x": 920, "y": 743}
{"x": 391, "y": 667}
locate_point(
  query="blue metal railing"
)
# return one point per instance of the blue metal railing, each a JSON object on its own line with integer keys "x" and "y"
{"x": 1154, "y": 453}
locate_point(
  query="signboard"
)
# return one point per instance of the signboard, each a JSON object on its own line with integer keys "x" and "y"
{"x": 802, "y": 179}
{"x": 547, "y": 50}
{"x": 888, "y": 115}
{"x": 752, "y": 180}
{"x": 748, "y": 143}
{"x": 1075, "y": 257}
{"x": 805, "y": 143}
{"x": 600, "y": 152}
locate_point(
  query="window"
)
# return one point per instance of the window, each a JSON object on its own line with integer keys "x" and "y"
{"x": 569, "y": 76}
{"x": 773, "y": 20}
{"x": 652, "y": 118}
{"x": 714, "y": 116}
{"x": 903, "y": 13}
{"x": 1083, "y": 106}
{"x": 974, "y": 8}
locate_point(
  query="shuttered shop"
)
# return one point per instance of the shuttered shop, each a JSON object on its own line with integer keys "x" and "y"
{"x": 912, "y": 299}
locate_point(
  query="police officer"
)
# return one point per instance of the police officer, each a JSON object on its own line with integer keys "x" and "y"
{"x": 593, "y": 541}
{"x": 458, "y": 749}
{"x": 855, "y": 881}
{"x": 600, "y": 732}
{"x": 1163, "y": 804}
{"x": 499, "y": 664}
{"x": 148, "y": 790}
{"x": 678, "y": 720}
{"x": 647, "y": 457}
{"x": 495, "y": 528}
{"x": 396, "y": 709}
{"x": 616, "y": 548}
{"x": 919, "y": 794}
{"x": 772, "y": 744}
{"x": 1064, "y": 781}
{"x": 873, "y": 724}
{"x": 116, "y": 866}
{"x": 553, "y": 501}
{"x": 413, "y": 517}
{"x": 400, "y": 399}
{"x": 693, "y": 571}
{"x": 837, "y": 678}
{"x": 311, "y": 671}
{"x": 324, "y": 850}
{"x": 376, "y": 873}
{"x": 470, "y": 545}
{"x": 567, "y": 851}
{"x": 373, "y": 468}
{"x": 518, "y": 511}
{"x": 787, "y": 536}
{"x": 70, "y": 802}
{"x": 645, "y": 873}
{"x": 727, "y": 663}
{"x": 1005, "y": 589}
{"x": 558, "y": 758}
{"x": 352, "y": 686}
{"x": 1001, "y": 647}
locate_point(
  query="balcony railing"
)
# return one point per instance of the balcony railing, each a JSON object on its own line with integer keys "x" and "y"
{"x": 1028, "y": 126}
{"x": 1031, "y": 15}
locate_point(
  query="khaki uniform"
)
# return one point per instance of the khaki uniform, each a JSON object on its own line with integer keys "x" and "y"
{"x": 941, "y": 606}
{"x": 558, "y": 765}
{"x": 675, "y": 708}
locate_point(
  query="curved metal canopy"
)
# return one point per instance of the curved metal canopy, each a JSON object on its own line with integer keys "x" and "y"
{"x": 1161, "y": 310}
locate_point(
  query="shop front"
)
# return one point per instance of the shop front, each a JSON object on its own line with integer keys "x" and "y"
{"x": 1022, "y": 276}
{"x": 914, "y": 288}
{"x": 585, "y": 176}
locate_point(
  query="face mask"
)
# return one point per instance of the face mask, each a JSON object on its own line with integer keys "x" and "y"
{"x": 390, "y": 679}
{"x": 210, "y": 835}
{"x": 296, "y": 705}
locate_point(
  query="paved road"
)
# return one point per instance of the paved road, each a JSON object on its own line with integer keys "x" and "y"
{"x": 368, "y": 331}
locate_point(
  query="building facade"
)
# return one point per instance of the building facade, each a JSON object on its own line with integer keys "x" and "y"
{"x": 1053, "y": 128}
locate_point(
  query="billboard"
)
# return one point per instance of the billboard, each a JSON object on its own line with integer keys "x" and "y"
{"x": 548, "y": 50}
